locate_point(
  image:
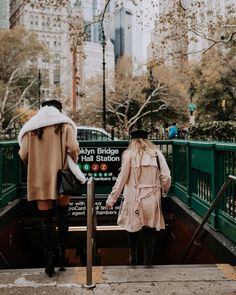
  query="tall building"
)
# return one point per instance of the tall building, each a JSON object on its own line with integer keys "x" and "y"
{"x": 92, "y": 10}
{"x": 119, "y": 30}
{"x": 51, "y": 26}
{"x": 4, "y": 14}
{"x": 124, "y": 27}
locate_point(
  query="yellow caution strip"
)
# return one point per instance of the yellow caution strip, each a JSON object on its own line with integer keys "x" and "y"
{"x": 228, "y": 271}
{"x": 80, "y": 275}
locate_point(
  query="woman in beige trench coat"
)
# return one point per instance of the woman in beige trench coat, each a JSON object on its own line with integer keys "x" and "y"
{"x": 44, "y": 140}
{"x": 141, "y": 183}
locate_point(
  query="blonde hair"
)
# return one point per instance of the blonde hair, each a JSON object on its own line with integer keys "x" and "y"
{"x": 138, "y": 146}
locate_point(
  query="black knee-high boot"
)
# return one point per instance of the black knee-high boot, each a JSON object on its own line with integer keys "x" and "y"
{"x": 133, "y": 247}
{"x": 149, "y": 235}
{"x": 47, "y": 239}
{"x": 63, "y": 225}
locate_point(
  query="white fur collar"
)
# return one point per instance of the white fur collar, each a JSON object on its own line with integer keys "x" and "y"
{"x": 46, "y": 116}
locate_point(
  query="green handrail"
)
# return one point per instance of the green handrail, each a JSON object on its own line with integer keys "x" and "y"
{"x": 219, "y": 196}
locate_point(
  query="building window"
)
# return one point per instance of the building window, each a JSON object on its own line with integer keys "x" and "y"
{"x": 43, "y": 23}
{"x": 45, "y": 58}
{"x": 48, "y": 23}
{"x": 57, "y": 59}
{"x": 54, "y": 23}
{"x": 45, "y": 78}
{"x": 56, "y": 76}
{"x": 88, "y": 32}
{"x": 59, "y": 41}
{"x": 48, "y": 41}
{"x": 31, "y": 21}
{"x": 36, "y": 21}
{"x": 55, "y": 42}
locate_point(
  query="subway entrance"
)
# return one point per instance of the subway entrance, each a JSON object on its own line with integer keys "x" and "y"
{"x": 21, "y": 247}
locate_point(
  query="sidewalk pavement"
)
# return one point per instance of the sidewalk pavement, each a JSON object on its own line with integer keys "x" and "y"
{"x": 161, "y": 279}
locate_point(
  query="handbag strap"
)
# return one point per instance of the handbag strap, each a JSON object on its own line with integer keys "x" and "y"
{"x": 61, "y": 147}
{"x": 159, "y": 168}
{"x": 158, "y": 163}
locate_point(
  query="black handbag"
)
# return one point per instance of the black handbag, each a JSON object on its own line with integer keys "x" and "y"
{"x": 67, "y": 183}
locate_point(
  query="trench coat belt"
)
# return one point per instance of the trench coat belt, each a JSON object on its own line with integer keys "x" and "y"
{"x": 139, "y": 186}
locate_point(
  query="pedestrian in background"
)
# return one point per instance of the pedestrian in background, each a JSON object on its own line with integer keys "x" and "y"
{"x": 173, "y": 131}
{"x": 45, "y": 140}
{"x": 141, "y": 183}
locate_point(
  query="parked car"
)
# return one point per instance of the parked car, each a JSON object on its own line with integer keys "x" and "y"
{"x": 92, "y": 133}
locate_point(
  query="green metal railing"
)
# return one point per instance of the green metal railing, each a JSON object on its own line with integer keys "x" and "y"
{"x": 12, "y": 173}
{"x": 206, "y": 165}
{"x": 198, "y": 172}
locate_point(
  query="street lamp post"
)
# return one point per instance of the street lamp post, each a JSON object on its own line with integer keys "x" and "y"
{"x": 191, "y": 106}
{"x": 103, "y": 78}
{"x": 39, "y": 88}
{"x": 103, "y": 43}
{"x": 151, "y": 79}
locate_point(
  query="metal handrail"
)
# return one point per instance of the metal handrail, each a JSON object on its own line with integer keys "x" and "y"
{"x": 227, "y": 182}
{"x": 90, "y": 228}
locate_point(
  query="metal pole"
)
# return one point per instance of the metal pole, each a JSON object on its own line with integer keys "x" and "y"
{"x": 151, "y": 79}
{"x": 104, "y": 79}
{"x": 74, "y": 74}
{"x": 39, "y": 88}
{"x": 104, "y": 67}
{"x": 90, "y": 211}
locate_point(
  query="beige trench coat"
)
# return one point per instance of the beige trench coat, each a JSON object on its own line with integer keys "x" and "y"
{"x": 142, "y": 203}
{"x": 44, "y": 160}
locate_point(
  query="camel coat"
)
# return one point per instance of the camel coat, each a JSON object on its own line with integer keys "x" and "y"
{"x": 44, "y": 160}
{"x": 142, "y": 203}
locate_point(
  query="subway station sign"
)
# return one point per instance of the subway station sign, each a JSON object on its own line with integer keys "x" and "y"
{"x": 102, "y": 163}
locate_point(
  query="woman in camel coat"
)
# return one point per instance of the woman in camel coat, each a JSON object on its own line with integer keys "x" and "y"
{"x": 141, "y": 183}
{"x": 43, "y": 139}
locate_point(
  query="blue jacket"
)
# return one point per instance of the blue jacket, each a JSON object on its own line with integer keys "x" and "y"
{"x": 173, "y": 132}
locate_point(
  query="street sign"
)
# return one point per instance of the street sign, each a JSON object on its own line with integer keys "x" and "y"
{"x": 192, "y": 107}
{"x": 102, "y": 163}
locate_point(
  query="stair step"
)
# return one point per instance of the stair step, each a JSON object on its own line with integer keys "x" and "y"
{"x": 160, "y": 279}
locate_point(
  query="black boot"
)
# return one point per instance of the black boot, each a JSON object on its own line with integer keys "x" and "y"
{"x": 63, "y": 225}
{"x": 46, "y": 236}
{"x": 149, "y": 235}
{"x": 133, "y": 248}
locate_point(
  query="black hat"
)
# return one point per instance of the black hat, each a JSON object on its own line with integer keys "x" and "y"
{"x": 52, "y": 103}
{"x": 139, "y": 134}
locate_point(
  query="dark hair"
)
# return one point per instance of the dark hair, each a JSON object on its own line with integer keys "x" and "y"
{"x": 52, "y": 103}
{"x": 39, "y": 132}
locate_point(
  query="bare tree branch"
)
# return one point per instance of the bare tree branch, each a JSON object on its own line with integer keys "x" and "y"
{"x": 182, "y": 6}
{"x": 214, "y": 41}
{"x": 7, "y": 91}
{"x": 18, "y": 116}
{"x": 22, "y": 97}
